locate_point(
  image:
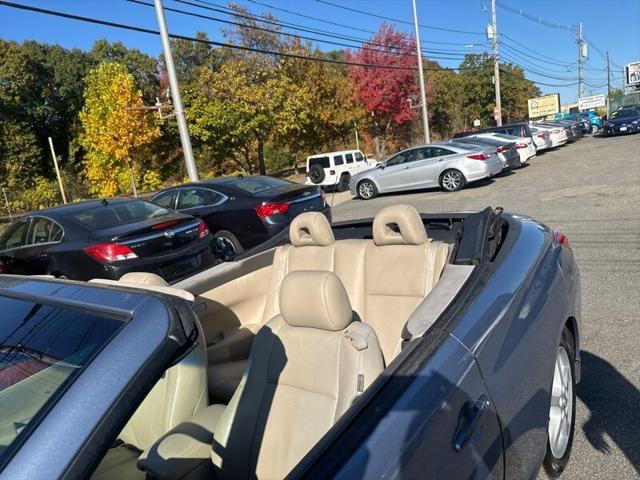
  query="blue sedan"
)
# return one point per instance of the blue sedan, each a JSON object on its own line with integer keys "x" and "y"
{"x": 409, "y": 346}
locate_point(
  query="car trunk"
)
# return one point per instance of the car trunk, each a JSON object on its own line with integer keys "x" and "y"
{"x": 299, "y": 198}
{"x": 154, "y": 236}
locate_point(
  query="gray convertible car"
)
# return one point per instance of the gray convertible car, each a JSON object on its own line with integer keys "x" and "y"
{"x": 404, "y": 346}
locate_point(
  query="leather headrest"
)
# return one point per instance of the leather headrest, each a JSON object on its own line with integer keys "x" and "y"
{"x": 144, "y": 278}
{"x": 311, "y": 228}
{"x": 399, "y": 225}
{"x": 315, "y": 299}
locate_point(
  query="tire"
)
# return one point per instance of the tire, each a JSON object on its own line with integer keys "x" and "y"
{"x": 452, "y": 180}
{"x": 229, "y": 243}
{"x": 316, "y": 174}
{"x": 367, "y": 190}
{"x": 343, "y": 184}
{"x": 562, "y": 408}
{"x": 594, "y": 128}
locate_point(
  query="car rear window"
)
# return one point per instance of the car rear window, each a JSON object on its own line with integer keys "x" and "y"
{"x": 109, "y": 215}
{"x": 259, "y": 184}
{"x": 43, "y": 348}
{"x": 322, "y": 161}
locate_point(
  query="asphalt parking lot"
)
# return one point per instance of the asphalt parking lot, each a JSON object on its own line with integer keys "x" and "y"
{"x": 590, "y": 190}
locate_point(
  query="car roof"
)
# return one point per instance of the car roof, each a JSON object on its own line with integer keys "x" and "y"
{"x": 70, "y": 208}
{"x": 221, "y": 184}
{"x": 337, "y": 152}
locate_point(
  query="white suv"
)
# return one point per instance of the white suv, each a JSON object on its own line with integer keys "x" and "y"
{"x": 334, "y": 169}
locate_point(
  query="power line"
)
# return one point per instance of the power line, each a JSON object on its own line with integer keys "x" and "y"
{"x": 452, "y": 55}
{"x": 396, "y": 20}
{"x": 542, "y": 57}
{"x": 535, "y": 19}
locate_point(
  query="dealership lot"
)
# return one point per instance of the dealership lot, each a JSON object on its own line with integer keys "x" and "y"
{"x": 590, "y": 190}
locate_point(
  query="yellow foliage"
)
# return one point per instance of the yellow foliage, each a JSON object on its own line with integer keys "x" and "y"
{"x": 112, "y": 132}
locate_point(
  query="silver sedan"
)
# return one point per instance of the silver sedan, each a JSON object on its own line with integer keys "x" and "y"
{"x": 449, "y": 164}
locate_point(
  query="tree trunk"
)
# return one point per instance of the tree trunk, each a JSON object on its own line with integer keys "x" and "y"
{"x": 262, "y": 169}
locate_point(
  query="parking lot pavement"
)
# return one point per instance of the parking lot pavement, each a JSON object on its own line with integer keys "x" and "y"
{"x": 590, "y": 190}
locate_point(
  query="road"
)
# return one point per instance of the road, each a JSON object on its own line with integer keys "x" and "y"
{"x": 590, "y": 191}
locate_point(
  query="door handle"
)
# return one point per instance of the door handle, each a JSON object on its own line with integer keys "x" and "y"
{"x": 470, "y": 416}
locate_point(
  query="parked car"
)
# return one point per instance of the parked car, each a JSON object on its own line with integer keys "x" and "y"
{"x": 520, "y": 129}
{"x": 244, "y": 211}
{"x": 596, "y": 120}
{"x": 557, "y": 133}
{"x": 542, "y": 138}
{"x": 106, "y": 239}
{"x": 583, "y": 120}
{"x": 335, "y": 169}
{"x": 425, "y": 362}
{"x": 450, "y": 165}
{"x": 623, "y": 120}
{"x": 571, "y": 128}
{"x": 506, "y": 150}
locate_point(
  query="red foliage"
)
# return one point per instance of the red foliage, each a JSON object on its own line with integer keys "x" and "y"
{"x": 385, "y": 91}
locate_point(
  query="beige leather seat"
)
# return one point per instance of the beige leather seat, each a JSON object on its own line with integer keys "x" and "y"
{"x": 307, "y": 366}
{"x": 181, "y": 391}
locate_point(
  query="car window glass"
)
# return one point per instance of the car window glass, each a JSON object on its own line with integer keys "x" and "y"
{"x": 338, "y": 160}
{"x": 259, "y": 184}
{"x": 440, "y": 152}
{"x": 197, "y": 197}
{"x": 41, "y": 231}
{"x": 423, "y": 153}
{"x": 359, "y": 157}
{"x": 16, "y": 235}
{"x": 165, "y": 199}
{"x": 322, "y": 162}
{"x": 349, "y": 157}
{"x": 44, "y": 349}
{"x": 400, "y": 158}
{"x": 109, "y": 215}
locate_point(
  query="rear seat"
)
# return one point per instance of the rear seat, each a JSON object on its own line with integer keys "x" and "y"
{"x": 386, "y": 278}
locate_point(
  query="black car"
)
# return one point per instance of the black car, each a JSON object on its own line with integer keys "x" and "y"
{"x": 623, "y": 120}
{"x": 106, "y": 239}
{"x": 244, "y": 211}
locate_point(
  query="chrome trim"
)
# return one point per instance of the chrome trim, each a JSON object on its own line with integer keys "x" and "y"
{"x": 30, "y": 245}
{"x": 304, "y": 199}
{"x": 224, "y": 198}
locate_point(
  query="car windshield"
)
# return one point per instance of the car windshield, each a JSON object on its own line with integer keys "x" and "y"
{"x": 109, "y": 215}
{"x": 627, "y": 113}
{"x": 260, "y": 184}
{"x": 322, "y": 161}
{"x": 42, "y": 350}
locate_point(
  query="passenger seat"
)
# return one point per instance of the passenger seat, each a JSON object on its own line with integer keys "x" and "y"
{"x": 307, "y": 366}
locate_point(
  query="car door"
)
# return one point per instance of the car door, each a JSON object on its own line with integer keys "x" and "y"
{"x": 394, "y": 174}
{"x": 202, "y": 203}
{"x": 442, "y": 426}
{"x": 42, "y": 236}
{"x": 12, "y": 247}
{"x": 425, "y": 170}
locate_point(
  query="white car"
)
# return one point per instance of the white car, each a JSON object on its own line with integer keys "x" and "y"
{"x": 542, "y": 138}
{"x": 335, "y": 169}
{"x": 525, "y": 145}
{"x": 558, "y": 135}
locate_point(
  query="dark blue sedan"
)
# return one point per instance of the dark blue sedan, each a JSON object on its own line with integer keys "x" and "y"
{"x": 622, "y": 121}
{"x": 405, "y": 346}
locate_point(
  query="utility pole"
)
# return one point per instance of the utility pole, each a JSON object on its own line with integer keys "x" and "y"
{"x": 55, "y": 164}
{"x": 423, "y": 97}
{"x": 580, "y": 62}
{"x": 496, "y": 64}
{"x": 355, "y": 125}
{"x": 6, "y": 201}
{"x": 608, "y": 76}
{"x": 175, "y": 93}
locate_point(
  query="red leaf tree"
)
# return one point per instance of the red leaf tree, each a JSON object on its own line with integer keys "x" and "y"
{"x": 385, "y": 92}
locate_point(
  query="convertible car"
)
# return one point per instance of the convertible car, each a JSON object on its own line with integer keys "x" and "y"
{"x": 404, "y": 346}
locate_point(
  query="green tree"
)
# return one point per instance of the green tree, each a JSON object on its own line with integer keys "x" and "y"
{"x": 112, "y": 131}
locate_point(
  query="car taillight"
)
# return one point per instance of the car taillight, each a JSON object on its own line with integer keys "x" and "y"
{"x": 306, "y": 174}
{"x": 541, "y": 135}
{"x": 322, "y": 194}
{"x": 203, "y": 230}
{"x": 521, "y": 145}
{"x": 479, "y": 156}
{"x": 2, "y": 269}
{"x": 501, "y": 149}
{"x": 110, "y": 252}
{"x": 560, "y": 238}
{"x": 268, "y": 209}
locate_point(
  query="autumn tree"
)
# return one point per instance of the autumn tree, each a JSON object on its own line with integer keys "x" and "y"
{"x": 385, "y": 92}
{"x": 112, "y": 129}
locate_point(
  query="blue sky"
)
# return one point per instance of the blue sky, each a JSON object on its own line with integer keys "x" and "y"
{"x": 548, "y": 54}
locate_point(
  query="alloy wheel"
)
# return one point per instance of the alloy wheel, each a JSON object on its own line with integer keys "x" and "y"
{"x": 451, "y": 180}
{"x": 561, "y": 411}
{"x": 365, "y": 190}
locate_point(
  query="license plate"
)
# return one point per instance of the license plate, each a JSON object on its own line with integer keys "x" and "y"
{"x": 623, "y": 129}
